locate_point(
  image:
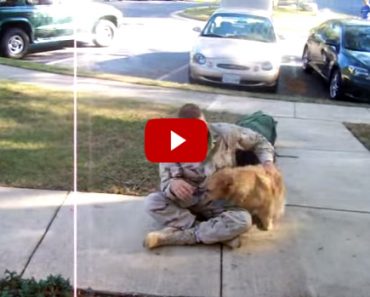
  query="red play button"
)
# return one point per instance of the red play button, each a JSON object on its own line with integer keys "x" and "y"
{"x": 176, "y": 140}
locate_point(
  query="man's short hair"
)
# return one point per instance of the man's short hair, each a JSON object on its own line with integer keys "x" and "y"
{"x": 190, "y": 111}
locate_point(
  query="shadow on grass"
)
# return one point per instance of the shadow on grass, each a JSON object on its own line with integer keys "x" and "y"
{"x": 361, "y": 132}
{"x": 36, "y": 132}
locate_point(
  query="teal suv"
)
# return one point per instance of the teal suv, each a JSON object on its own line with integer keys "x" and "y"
{"x": 25, "y": 22}
{"x": 339, "y": 51}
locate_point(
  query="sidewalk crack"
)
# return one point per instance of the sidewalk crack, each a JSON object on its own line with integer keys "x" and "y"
{"x": 328, "y": 208}
{"x": 312, "y": 149}
{"x": 221, "y": 269}
{"x": 43, "y": 235}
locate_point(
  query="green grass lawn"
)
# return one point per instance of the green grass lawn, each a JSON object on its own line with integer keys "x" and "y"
{"x": 36, "y": 133}
{"x": 361, "y": 132}
{"x": 199, "y": 13}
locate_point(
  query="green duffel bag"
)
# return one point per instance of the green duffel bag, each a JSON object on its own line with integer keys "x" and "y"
{"x": 261, "y": 123}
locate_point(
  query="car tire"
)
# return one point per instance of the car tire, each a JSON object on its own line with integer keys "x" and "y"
{"x": 105, "y": 32}
{"x": 335, "y": 85}
{"x": 305, "y": 61}
{"x": 14, "y": 43}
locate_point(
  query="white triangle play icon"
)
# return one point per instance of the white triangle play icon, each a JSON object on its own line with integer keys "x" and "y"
{"x": 176, "y": 140}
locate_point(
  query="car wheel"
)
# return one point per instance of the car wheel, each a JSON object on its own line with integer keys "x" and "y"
{"x": 335, "y": 85}
{"x": 306, "y": 61}
{"x": 105, "y": 32}
{"x": 14, "y": 43}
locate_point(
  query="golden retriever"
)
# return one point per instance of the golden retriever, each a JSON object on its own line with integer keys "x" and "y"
{"x": 251, "y": 187}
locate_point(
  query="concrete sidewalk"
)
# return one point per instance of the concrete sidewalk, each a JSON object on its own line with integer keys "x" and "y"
{"x": 319, "y": 249}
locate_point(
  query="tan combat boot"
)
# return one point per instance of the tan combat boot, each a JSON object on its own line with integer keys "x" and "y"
{"x": 169, "y": 236}
{"x": 233, "y": 243}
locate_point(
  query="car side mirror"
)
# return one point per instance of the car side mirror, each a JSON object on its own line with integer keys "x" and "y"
{"x": 197, "y": 29}
{"x": 334, "y": 44}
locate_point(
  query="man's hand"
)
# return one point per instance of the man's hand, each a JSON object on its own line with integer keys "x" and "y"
{"x": 269, "y": 167}
{"x": 182, "y": 189}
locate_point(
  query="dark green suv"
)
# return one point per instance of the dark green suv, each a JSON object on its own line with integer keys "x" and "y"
{"x": 25, "y": 22}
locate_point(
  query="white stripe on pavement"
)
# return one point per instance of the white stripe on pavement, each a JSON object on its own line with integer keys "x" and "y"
{"x": 167, "y": 75}
{"x": 59, "y": 61}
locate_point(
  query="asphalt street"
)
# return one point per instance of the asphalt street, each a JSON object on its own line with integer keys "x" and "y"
{"x": 154, "y": 43}
{"x": 343, "y": 6}
{"x": 152, "y": 9}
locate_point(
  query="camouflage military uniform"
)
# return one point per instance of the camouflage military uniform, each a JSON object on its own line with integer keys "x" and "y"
{"x": 219, "y": 221}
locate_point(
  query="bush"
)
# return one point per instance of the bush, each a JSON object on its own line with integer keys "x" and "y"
{"x": 13, "y": 285}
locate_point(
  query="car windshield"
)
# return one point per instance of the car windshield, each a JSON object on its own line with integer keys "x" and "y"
{"x": 240, "y": 26}
{"x": 357, "y": 38}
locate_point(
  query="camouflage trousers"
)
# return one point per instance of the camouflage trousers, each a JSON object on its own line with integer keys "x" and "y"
{"x": 213, "y": 221}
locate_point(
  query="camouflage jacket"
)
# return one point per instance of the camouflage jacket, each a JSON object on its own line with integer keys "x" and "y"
{"x": 225, "y": 140}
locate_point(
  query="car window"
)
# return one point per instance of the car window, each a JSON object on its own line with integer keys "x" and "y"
{"x": 40, "y": 2}
{"x": 9, "y": 2}
{"x": 240, "y": 26}
{"x": 319, "y": 31}
{"x": 329, "y": 31}
{"x": 357, "y": 38}
{"x": 336, "y": 32}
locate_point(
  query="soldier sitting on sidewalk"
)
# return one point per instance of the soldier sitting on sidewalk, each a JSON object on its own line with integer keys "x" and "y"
{"x": 181, "y": 205}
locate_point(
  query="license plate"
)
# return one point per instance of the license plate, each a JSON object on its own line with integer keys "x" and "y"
{"x": 231, "y": 79}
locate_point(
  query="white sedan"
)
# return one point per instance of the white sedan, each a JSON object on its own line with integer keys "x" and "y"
{"x": 237, "y": 47}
